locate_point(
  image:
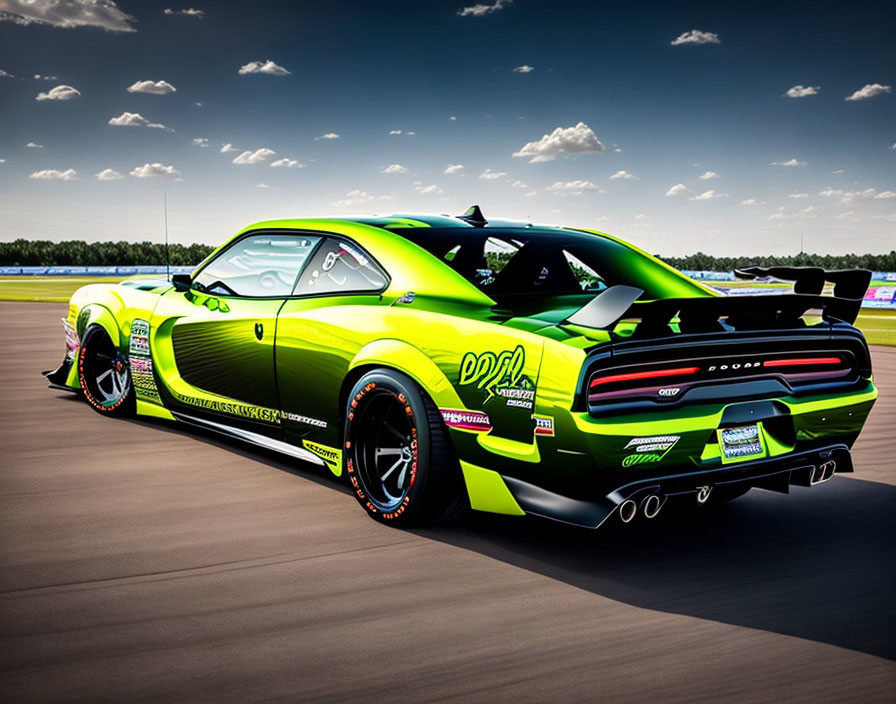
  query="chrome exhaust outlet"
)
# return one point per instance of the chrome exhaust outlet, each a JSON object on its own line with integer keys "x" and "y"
{"x": 651, "y": 505}
{"x": 628, "y": 509}
{"x": 703, "y": 493}
{"x": 823, "y": 472}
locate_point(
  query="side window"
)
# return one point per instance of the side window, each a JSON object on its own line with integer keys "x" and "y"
{"x": 339, "y": 266}
{"x": 257, "y": 266}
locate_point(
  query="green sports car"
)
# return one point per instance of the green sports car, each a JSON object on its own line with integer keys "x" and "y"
{"x": 440, "y": 363}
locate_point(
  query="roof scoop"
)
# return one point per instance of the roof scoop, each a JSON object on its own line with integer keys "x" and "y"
{"x": 606, "y": 308}
{"x": 474, "y": 217}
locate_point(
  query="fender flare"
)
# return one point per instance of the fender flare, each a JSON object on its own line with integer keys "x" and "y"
{"x": 409, "y": 360}
{"x": 98, "y": 314}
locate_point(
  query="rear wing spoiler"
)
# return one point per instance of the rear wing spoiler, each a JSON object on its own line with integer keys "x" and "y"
{"x": 749, "y": 312}
{"x": 848, "y": 283}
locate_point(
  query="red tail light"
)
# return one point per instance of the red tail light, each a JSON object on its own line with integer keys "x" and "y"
{"x": 637, "y": 376}
{"x": 802, "y": 362}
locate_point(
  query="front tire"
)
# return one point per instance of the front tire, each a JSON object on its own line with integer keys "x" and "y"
{"x": 399, "y": 459}
{"x": 104, "y": 374}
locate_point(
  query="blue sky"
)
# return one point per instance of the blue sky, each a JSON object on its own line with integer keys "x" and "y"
{"x": 668, "y": 126}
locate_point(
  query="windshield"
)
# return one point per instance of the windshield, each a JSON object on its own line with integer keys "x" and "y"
{"x": 506, "y": 264}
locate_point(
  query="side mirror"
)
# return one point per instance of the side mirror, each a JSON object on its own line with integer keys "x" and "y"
{"x": 181, "y": 282}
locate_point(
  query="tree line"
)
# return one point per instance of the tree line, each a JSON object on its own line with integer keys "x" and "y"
{"x": 24, "y": 252}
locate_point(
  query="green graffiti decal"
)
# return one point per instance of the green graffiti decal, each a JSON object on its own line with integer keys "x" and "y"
{"x": 488, "y": 370}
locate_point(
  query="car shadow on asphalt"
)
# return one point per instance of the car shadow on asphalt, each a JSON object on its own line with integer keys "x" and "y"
{"x": 818, "y": 563}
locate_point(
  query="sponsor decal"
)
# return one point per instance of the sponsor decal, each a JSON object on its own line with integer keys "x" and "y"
{"x": 488, "y": 369}
{"x": 235, "y": 408}
{"x": 649, "y": 449}
{"x": 466, "y": 420}
{"x": 544, "y": 425}
{"x": 331, "y": 456}
{"x": 407, "y": 298}
{"x": 670, "y": 392}
{"x": 500, "y": 375}
{"x": 140, "y": 361}
{"x": 296, "y": 418}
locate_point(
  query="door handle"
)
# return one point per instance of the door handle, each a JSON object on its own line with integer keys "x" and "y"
{"x": 259, "y": 330}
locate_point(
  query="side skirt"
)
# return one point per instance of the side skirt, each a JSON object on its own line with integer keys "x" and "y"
{"x": 250, "y": 437}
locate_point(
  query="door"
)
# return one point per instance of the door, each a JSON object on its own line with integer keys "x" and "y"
{"x": 217, "y": 338}
{"x": 320, "y": 329}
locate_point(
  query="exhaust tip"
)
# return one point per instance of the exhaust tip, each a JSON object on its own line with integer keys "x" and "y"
{"x": 651, "y": 506}
{"x": 703, "y": 493}
{"x": 628, "y": 509}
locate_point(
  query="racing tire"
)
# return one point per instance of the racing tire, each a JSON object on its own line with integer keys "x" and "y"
{"x": 400, "y": 463}
{"x": 104, "y": 374}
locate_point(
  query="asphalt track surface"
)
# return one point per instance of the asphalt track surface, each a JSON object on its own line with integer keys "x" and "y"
{"x": 143, "y": 561}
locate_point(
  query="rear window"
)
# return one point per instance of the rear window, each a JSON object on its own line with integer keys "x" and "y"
{"x": 530, "y": 262}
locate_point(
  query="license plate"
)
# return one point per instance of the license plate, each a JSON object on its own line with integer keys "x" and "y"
{"x": 740, "y": 443}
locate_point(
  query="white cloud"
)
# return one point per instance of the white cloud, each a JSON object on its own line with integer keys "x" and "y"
{"x": 328, "y": 135}
{"x": 2, "y": 161}
{"x": 709, "y": 195}
{"x": 155, "y": 170}
{"x": 677, "y": 189}
{"x": 394, "y": 131}
{"x": 489, "y": 175}
{"x": 452, "y": 117}
{"x": 262, "y": 185}
{"x": 188, "y": 11}
{"x": 886, "y": 218}
{"x": 34, "y": 145}
{"x": 59, "y": 93}
{"x": 572, "y": 188}
{"x": 394, "y": 169}
{"x": 850, "y": 196}
{"x": 55, "y": 175}
{"x": 640, "y": 216}
{"x": 796, "y": 196}
{"x": 154, "y": 87}
{"x": 268, "y": 67}
{"x": 104, "y": 14}
{"x": 843, "y": 216}
{"x": 134, "y": 119}
{"x": 518, "y": 184}
{"x": 38, "y": 77}
{"x": 5, "y": 74}
{"x": 748, "y": 201}
{"x": 893, "y": 146}
{"x": 425, "y": 190}
{"x": 357, "y": 197}
{"x": 287, "y": 163}
{"x": 108, "y": 175}
{"x": 256, "y": 157}
{"x": 524, "y": 69}
{"x": 453, "y": 168}
{"x": 869, "y": 91}
{"x": 480, "y": 9}
{"x": 695, "y": 36}
{"x": 563, "y": 140}
{"x": 838, "y": 171}
{"x": 200, "y": 142}
{"x": 227, "y": 148}
{"x": 625, "y": 175}
{"x": 706, "y": 176}
{"x": 801, "y": 91}
{"x": 791, "y": 162}
{"x": 530, "y": 194}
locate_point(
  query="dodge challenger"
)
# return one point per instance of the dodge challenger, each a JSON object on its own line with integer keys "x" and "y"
{"x": 442, "y": 363}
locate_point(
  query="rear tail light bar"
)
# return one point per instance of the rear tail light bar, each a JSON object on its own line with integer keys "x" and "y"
{"x": 668, "y": 383}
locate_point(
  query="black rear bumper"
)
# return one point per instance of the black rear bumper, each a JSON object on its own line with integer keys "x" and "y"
{"x": 776, "y": 474}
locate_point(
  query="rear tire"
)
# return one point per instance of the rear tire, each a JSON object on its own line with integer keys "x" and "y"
{"x": 104, "y": 374}
{"x": 400, "y": 462}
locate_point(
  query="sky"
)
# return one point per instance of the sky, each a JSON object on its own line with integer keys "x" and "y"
{"x": 727, "y": 128}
